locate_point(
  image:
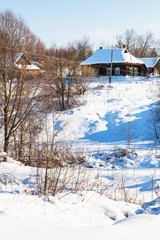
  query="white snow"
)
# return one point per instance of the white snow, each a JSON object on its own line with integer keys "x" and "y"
{"x": 119, "y": 197}
{"x": 104, "y": 56}
{"x": 27, "y": 67}
{"x": 103, "y": 117}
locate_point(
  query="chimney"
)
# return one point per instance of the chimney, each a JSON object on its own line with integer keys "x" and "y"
{"x": 101, "y": 48}
{"x": 124, "y": 46}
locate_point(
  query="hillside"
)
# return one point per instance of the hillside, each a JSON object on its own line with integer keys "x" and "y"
{"x": 115, "y": 194}
{"x": 110, "y": 114}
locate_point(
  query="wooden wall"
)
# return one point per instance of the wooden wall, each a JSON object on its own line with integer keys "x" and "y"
{"x": 100, "y": 69}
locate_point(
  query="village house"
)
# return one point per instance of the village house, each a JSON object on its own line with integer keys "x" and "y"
{"x": 153, "y": 65}
{"x": 123, "y": 63}
{"x": 22, "y": 62}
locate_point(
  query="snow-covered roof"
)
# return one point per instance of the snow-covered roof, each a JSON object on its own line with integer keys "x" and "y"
{"x": 27, "y": 67}
{"x": 30, "y": 66}
{"x": 150, "y": 62}
{"x": 17, "y": 56}
{"x": 103, "y": 56}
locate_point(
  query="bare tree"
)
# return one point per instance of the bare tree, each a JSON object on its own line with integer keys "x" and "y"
{"x": 158, "y": 47}
{"x": 17, "y": 98}
{"x": 83, "y": 48}
{"x": 140, "y": 45}
{"x": 128, "y": 38}
{"x": 144, "y": 45}
{"x": 62, "y": 68}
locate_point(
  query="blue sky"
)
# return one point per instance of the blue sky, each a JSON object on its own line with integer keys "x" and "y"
{"x": 63, "y": 21}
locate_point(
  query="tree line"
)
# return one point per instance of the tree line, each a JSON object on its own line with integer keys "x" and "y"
{"x": 140, "y": 45}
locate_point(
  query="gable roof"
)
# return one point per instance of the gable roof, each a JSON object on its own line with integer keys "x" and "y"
{"x": 150, "y": 62}
{"x": 18, "y": 56}
{"x": 103, "y": 56}
{"x": 28, "y": 66}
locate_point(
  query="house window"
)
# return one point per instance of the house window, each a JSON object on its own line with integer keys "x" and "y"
{"x": 108, "y": 71}
{"x": 95, "y": 72}
{"x": 117, "y": 71}
{"x": 130, "y": 71}
{"x": 135, "y": 71}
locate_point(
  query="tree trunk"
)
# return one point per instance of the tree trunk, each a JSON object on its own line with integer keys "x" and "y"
{"x": 6, "y": 138}
{"x": 6, "y": 145}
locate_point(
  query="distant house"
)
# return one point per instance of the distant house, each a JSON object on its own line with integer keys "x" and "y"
{"x": 123, "y": 63}
{"x": 22, "y": 62}
{"x": 152, "y": 64}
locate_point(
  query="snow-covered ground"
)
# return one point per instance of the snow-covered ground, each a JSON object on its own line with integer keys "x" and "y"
{"x": 106, "y": 111}
{"x": 119, "y": 187}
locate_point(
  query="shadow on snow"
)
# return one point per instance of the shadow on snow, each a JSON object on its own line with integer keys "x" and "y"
{"x": 140, "y": 131}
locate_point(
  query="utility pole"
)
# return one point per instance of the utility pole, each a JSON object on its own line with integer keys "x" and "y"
{"x": 110, "y": 77}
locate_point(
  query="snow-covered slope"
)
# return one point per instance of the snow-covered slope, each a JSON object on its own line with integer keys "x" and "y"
{"x": 118, "y": 198}
{"x": 109, "y": 113}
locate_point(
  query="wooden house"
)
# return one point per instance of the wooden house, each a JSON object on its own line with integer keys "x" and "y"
{"x": 22, "y": 62}
{"x": 153, "y": 65}
{"x": 122, "y": 62}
